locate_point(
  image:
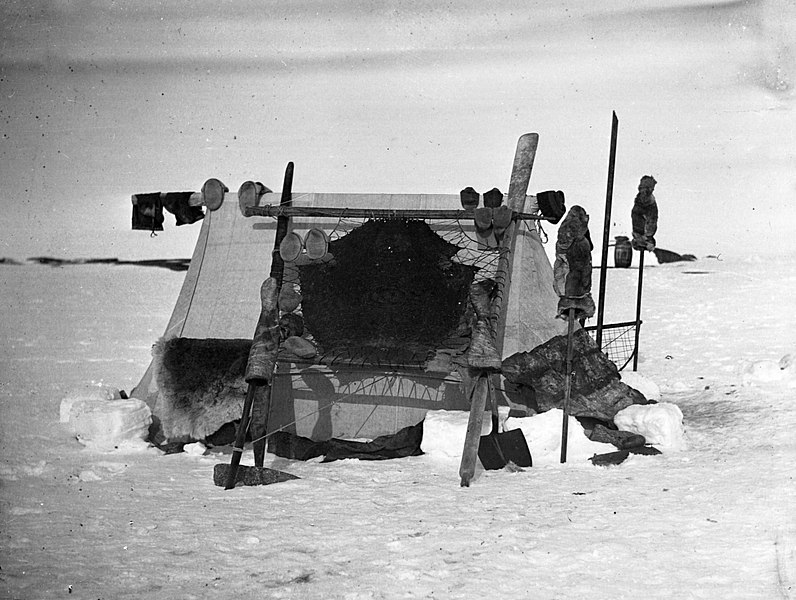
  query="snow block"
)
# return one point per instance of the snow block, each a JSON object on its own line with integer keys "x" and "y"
{"x": 660, "y": 424}
{"x": 642, "y": 384}
{"x": 106, "y": 425}
{"x": 769, "y": 371}
{"x": 444, "y": 432}
{"x": 89, "y": 393}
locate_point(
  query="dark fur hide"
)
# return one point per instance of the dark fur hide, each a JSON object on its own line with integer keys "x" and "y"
{"x": 538, "y": 379}
{"x": 200, "y": 385}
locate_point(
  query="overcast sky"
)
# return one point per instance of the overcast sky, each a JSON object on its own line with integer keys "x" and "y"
{"x": 105, "y": 99}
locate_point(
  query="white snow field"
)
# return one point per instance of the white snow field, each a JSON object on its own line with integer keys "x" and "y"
{"x": 102, "y": 100}
{"x": 715, "y": 520}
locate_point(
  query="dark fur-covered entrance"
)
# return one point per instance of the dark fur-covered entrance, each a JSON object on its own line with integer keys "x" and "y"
{"x": 392, "y": 287}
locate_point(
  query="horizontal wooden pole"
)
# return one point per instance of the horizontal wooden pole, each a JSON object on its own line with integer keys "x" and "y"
{"x": 371, "y": 213}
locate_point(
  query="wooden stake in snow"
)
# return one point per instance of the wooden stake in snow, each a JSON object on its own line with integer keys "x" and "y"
{"x": 567, "y": 385}
{"x": 638, "y": 307}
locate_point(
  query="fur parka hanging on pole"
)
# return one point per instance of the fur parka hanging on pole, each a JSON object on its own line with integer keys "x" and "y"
{"x": 644, "y": 215}
{"x": 572, "y": 268}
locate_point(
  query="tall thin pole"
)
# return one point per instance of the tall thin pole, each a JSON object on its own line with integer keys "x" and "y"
{"x": 567, "y": 385}
{"x": 638, "y": 307}
{"x": 609, "y": 196}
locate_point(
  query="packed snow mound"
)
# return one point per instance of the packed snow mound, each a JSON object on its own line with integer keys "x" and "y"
{"x": 644, "y": 385}
{"x": 660, "y": 424}
{"x": 769, "y": 371}
{"x": 444, "y": 432}
{"x": 107, "y": 425}
{"x": 90, "y": 393}
{"x": 543, "y": 434}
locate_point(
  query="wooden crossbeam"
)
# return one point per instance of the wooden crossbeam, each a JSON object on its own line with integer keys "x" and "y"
{"x": 276, "y": 211}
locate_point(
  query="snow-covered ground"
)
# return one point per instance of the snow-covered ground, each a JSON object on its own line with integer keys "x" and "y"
{"x": 102, "y": 100}
{"x": 715, "y": 520}
{"x": 105, "y": 99}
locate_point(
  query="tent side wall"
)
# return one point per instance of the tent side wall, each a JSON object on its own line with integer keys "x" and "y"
{"x": 220, "y": 299}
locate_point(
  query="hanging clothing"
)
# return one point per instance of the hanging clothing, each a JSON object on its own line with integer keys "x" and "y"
{"x": 148, "y": 212}
{"x": 177, "y": 203}
{"x": 644, "y": 216}
{"x": 572, "y": 268}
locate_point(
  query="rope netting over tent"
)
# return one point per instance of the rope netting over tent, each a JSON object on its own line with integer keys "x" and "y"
{"x": 388, "y": 311}
{"x": 392, "y": 293}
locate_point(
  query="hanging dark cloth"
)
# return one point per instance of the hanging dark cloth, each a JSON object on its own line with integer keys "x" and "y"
{"x": 552, "y": 205}
{"x": 177, "y": 203}
{"x": 405, "y": 442}
{"x": 148, "y": 212}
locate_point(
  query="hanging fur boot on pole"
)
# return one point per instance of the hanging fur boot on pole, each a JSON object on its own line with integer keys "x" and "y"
{"x": 483, "y": 352}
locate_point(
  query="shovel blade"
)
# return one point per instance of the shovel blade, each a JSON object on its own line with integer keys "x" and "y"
{"x": 490, "y": 453}
{"x": 515, "y": 447}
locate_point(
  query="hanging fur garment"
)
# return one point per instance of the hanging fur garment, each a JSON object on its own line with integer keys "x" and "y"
{"x": 572, "y": 268}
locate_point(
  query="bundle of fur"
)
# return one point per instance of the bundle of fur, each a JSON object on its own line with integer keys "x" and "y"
{"x": 538, "y": 379}
{"x": 200, "y": 385}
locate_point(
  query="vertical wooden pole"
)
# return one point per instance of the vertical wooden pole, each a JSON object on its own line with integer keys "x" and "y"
{"x": 265, "y": 338}
{"x": 638, "y": 308}
{"x": 473, "y": 434}
{"x": 518, "y": 187}
{"x": 567, "y": 385}
{"x": 609, "y": 195}
{"x": 262, "y": 407}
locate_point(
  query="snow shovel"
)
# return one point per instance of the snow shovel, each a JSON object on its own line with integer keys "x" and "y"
{"x": 497, "y": 449}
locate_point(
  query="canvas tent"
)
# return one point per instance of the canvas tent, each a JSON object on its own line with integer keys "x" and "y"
{"x": 361, "y": 390}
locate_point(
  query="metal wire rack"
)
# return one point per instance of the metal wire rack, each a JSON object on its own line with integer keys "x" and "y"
{"x": 619, "y": 341}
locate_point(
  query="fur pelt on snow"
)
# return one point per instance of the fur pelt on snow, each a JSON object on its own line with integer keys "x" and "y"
{"x": 200, "y": 385}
